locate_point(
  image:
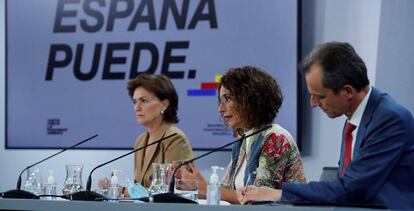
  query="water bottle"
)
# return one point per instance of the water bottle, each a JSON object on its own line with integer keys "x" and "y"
{"x": 50, "y": 187}
{"x": 214, "y": 187}
{"x": 113, "y": 190}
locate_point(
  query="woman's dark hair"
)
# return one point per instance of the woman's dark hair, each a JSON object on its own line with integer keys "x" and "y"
{"x": 340, "y": 65}
{"x": 256, "y": 94}
{"x": 161, "y": 87}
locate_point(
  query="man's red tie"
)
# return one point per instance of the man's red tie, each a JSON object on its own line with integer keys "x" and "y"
{"x": 348, "y": 145}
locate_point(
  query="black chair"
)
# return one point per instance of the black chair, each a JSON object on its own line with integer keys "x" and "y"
{"x": 328, "y": 174}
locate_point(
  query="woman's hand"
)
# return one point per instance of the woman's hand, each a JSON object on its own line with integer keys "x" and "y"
{"x": 253, "y": 193}
{"x": 195, "y": 174}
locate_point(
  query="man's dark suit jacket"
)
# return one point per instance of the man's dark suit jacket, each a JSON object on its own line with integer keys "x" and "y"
{"x": 382, "y": 168}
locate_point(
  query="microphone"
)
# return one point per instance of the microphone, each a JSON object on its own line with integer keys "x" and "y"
{"x": 89, "y": 195}
{"x": 22, "y": 194}
{"x": 173, "y": 198}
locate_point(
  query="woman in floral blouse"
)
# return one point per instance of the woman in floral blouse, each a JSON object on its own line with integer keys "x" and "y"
{"x": 249, "y": 99}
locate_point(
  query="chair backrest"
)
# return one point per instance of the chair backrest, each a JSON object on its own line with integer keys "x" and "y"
{"x": 328, "y": 173}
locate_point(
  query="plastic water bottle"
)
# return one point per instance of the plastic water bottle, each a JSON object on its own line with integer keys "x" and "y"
{"x": 113, "y": 190}
{"x": 214, "y": 187}
{"x": 50, "y": 187}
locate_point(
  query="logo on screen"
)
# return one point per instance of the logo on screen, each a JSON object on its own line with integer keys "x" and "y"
{"x": 53, "y": 127}
{"x": 207, "y": 88}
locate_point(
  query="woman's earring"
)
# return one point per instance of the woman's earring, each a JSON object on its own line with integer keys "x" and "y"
{"x": 162, "y": 111}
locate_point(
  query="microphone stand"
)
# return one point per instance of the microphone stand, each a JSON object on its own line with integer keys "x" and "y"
{"x": 170, "y": 197}
{"x": 22, "y": 194}
{"x": 89, "y": 195}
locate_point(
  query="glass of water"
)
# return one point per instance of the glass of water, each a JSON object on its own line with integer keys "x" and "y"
{"x": 161, "y": 176}
{"x": 73, "y": 181}
{"x": 187, "y": 188}
{"x": 33, "y": 181}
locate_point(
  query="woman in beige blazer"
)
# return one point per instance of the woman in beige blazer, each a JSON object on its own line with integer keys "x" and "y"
{"x": 155, "y": 105}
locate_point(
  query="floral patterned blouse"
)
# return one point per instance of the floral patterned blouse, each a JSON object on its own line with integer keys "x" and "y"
{"x": 279, "y": 160}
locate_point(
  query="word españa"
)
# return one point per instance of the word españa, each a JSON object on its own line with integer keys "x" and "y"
{"x": 93, "y": 16}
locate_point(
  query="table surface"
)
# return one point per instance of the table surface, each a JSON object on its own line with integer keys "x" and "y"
{"x": 32, "y": 204}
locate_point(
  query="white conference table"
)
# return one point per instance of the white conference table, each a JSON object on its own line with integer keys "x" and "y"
{"x": 58, "y": 205}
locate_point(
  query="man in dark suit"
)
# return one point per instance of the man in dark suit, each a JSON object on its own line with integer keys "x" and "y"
{"x": 377, "y": 155}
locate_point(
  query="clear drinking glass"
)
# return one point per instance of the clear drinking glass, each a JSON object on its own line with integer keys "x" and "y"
{"x": 161, "y": 176}
{"x": 73, "y": 181}
{"x": 187, "y": 188}
{"x": 103, "y": 186}
{"x": 50, "y": 189}
{"x": 33, "y": 181}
